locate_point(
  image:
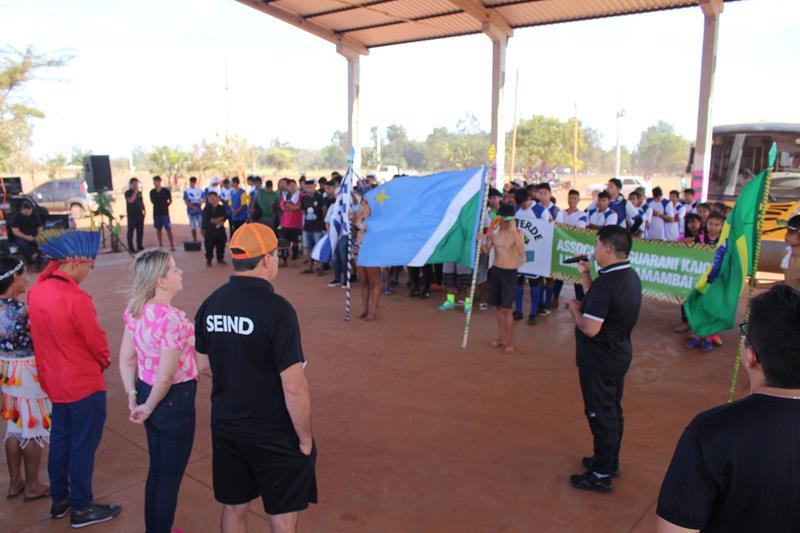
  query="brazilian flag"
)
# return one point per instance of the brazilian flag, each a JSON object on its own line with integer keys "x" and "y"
{"x": 711, "y": 306}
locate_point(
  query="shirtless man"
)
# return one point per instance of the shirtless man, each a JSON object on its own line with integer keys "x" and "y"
{"x": 509, "y": 245}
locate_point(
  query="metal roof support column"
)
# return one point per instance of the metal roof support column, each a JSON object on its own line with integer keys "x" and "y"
{"x": 701, "y": 166}
{"x": 353, "y": 94}
{"x": 498, "y": 135}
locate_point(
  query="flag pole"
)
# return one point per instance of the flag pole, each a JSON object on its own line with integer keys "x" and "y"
{"x": 762, "y": 211}
{"x": 348, "y": 175}
{"x": 488, "y": 176}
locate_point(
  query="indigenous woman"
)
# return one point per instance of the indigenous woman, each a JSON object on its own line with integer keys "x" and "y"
{"x": 370, "y": 276}
{"x": 159, "y": 370}
{"x": 24, "y": 405}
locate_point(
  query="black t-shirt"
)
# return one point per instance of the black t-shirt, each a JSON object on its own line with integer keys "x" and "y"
{"x": 312, "y": 206}
{"x": 737, "y": 468}
{"x": 251, "y": 335}
{"x": 213, "y": 211}
{"x": 615, "y": 297}
{"x": 161, "y": 200}
{"x": 135, "y": 209}
{"x": 27, "y": 225}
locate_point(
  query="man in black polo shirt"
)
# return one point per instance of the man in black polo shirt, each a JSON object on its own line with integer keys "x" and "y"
{"x": 26, "y": 226}
{"x": 604, "y": 321}
{"x": 260, "y": 405}
{"x": 736, "y": 466}
{"x": 135, "y": 209}
{"x": 214, "y": 217}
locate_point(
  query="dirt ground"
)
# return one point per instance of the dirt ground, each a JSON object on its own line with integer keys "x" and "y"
{"x": 414, "y": 433}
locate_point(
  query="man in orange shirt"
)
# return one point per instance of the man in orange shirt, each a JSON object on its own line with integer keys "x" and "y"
{"x": 71, "y": 355}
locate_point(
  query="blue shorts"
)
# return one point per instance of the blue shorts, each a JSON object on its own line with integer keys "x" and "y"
{"x": 310, "y": 239}
{"x": 195, "y": 220}
{"x": 161, "y": 221}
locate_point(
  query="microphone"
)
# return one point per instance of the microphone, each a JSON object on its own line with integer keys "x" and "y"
{"x": 578, "y": 259}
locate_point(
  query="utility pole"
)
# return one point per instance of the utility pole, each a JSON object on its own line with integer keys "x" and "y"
{"x": 575, "y": 152}
{"x": 514, "y": 131}
{"x": 226, "y": 101}
{"x": 620, "y": 114}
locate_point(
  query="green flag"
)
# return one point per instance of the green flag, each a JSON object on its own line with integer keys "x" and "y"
{"x": 711, "y": 306}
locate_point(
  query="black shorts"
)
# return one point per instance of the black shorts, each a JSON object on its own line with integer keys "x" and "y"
{"x": 291, "y": 234}
{"x": 274, "y": 468}
{"x": 502, "y": 285}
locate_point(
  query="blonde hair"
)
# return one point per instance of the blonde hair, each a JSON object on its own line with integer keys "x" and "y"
{"x": 149, "y": 267}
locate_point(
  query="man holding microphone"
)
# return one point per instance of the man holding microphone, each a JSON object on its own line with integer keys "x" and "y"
{"x": 604, "y": 321}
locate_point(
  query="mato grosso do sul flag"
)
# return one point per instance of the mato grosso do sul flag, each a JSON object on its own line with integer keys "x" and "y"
{"x": 417, "y": 220}
{"x": 711, "y": 306}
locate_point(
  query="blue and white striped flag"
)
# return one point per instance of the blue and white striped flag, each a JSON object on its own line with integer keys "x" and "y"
{"x": 340, "y": 220}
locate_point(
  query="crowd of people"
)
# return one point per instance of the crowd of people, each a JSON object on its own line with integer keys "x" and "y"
{"x": 53, "y": 355}
{"x": 53, "y": 352}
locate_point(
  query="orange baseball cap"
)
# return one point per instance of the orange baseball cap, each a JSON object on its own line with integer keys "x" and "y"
{"x": 253, "y": 240}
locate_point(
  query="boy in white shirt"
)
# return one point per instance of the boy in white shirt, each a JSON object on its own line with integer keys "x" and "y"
{"x": 674, "y": 228}
{"x": 603, "y": 215}
{"x": 663, "y": 212}
{"x": 572, "y": 216}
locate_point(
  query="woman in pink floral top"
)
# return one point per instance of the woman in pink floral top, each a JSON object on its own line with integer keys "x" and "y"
{"x": 159, "y": 370}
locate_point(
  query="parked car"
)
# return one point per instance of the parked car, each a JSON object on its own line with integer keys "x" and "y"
{"x": 65, "y": 195}
{"x": 629, "y": 184}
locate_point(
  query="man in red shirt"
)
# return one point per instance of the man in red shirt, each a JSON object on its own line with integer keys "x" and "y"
{"x": 71, "y": 355}
{"x": 291, "y": 221}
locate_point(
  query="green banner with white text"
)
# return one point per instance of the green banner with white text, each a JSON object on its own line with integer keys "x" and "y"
{"x": 668, "y": 270}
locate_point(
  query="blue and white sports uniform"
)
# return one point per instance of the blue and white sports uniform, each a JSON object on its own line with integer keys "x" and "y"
{"x": 657, "y": 231}
{"x": 603, "y": 218}
{"x": 576, "y": 219}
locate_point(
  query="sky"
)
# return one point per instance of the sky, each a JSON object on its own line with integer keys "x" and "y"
{"x": 153, "y": 72}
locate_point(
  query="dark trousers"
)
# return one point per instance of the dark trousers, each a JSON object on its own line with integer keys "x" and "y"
{"x": 215, "y": 241}
{"x": 340, "y": 259}
{"x": 27, "y": 249}
{"x": 236, "y": 224}
{"x": 170, "y": 435}
{"x": 423, "y": 274}
{"x": 602, "y": 399}
{"x": 535, "y": 288}
{"x": 579, "y": 293}
{"x": 74, "y": 437}
{"x": 135, "y": 224}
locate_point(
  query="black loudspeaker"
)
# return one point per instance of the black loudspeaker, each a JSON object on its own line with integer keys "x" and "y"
{"x": 191, "y": 246}
{"x": 97, "y": 169}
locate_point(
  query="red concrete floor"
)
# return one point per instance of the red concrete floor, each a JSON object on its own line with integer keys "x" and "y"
{"x": 416, "y": 434}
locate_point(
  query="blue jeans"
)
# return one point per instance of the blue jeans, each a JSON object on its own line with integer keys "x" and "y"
{"x": 340, "y": 259}
{"x": 170, "y": 435}
{"x": 74, "y": 437}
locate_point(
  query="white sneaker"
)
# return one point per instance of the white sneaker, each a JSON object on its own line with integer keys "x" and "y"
{"x": 334, "y": 283}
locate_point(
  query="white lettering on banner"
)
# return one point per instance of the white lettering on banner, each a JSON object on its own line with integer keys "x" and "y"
{"x": 538, "y": 236}
{"x": 672, "y": 279}
{"x": 229, "y": 324}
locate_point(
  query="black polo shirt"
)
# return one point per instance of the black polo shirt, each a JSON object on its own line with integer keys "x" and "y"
{"x": 615, "y": 297}
{"x": 28, "y": 225}
{"x": 250, "y": 335}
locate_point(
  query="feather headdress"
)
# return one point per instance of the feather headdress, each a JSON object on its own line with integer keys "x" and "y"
{"x": 71, "y": 246}
{"x": 67, "y": 247}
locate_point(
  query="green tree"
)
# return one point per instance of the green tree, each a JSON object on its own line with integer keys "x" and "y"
{"x": 546, "y": 141}
{"x": 278, "y": 157}
{"x": 238, "y": 157}
{"x": 660, "y": 149}
{"x": 77, "y": 155}
{"x": 169, "y": 163}
{"x": 17, "y": 114}
{"x": 55, "y": 165}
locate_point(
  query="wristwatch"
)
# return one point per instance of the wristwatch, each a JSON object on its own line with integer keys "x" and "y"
{"x": 132, "y": 392}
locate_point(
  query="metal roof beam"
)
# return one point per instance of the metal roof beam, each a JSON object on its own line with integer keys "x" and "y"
{"x": 491, "y": 21}
{"x": 341, "y": 41}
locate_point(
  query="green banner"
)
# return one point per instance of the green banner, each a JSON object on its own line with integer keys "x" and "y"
{"x": 668, "y": 270}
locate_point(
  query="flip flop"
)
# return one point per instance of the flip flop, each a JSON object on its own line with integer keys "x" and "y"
{"x": 10, "y": 496}
{"x": 29, "y": 499}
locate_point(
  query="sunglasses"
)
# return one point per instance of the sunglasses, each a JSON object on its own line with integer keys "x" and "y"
{"x": 747, "y": 342}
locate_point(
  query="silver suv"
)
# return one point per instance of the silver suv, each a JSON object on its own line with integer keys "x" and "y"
{"x": 66, "y": 195}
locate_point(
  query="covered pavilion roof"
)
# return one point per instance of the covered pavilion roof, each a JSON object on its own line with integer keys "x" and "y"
{"x": 363, "y": 24}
